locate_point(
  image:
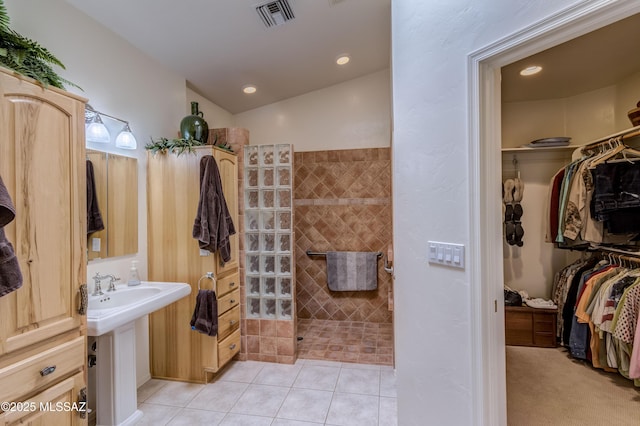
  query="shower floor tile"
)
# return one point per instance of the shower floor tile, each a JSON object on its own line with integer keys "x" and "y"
{"x": 346, "y": 341}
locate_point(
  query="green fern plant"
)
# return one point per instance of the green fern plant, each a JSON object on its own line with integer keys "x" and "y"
{"x": 26, "y": 57}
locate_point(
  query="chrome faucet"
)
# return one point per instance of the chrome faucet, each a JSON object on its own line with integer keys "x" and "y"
{"x": 112, "y": 282}
{"x": 97, "y": 288}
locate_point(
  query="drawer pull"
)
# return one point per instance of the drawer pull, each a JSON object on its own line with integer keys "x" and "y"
{"x": 84, "y": 299}
{"x": 232, "y": 301}
{"x": 47, "y": 370}
{"x": 232, "y": 322}
{"x": 232, "y": 284}
{"x": 232, "y": 346}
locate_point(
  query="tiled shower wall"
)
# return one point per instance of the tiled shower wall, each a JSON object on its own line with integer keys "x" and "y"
{"x": 342, "y": 202}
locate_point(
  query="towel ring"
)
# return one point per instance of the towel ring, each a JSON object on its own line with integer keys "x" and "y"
{"x": 210, "y": 276}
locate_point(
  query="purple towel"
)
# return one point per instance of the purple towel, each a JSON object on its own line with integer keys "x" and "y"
{"x": 205, "y": 314}
{"x": 10, "y": 275}
{"x": 213, "y": 225}
{"x": 94, "y": 218}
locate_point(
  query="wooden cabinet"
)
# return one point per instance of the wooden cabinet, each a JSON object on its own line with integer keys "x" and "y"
{"x": 173, "y": 190}
{"x": 42, "y": 164}
{"x": 526, "y": 326}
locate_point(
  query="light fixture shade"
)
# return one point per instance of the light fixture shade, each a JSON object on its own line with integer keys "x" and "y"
{"x": 125, "y": 139}
{"x": 96, "y": 131}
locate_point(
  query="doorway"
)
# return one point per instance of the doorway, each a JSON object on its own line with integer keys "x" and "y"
{"x": 485, "y": 163}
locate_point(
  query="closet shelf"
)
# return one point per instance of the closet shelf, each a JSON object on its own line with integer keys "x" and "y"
{"x": 541, "y": 149}
{"x": 629, "y": 133}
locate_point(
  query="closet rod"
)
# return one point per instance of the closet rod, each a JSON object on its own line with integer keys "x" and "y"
{"x": 626, "y": 134}
{"x": 629, "y": 256}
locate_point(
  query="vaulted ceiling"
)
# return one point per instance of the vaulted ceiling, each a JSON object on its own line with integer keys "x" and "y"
{"x": 220, "y": 46}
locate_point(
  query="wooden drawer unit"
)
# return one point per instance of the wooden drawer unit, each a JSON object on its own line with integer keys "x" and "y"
{"x": 228, "y": 301}
{"x": 55, "y": 400}
{"x": 227, "y": 284}
{"x": 228, "y": 322}
{"x": 41, "y": 369}
{"x": 526, "y": 326}
{"x": 228, "y": 347}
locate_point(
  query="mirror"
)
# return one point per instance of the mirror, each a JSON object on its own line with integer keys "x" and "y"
{"x": 116, "y": 191}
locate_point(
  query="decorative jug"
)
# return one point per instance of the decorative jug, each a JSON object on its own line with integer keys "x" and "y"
{"x": 194, "y": 126}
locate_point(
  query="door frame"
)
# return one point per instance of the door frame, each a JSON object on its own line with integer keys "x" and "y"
{"x": 485, "y": 260}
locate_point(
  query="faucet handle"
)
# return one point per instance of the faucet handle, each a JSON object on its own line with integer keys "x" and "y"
{"x": 112, "y": 282}
{"x": 97, "y": 289}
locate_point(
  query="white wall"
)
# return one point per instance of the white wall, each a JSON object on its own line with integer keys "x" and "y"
{"x": 431, "y": 42}
{"x": 350, "y": 115}
{"x": 215, "y": 116}
{"x": 627, "y": 97}
{"x": 118, "y": 80}
{"x": 583, "y": 117}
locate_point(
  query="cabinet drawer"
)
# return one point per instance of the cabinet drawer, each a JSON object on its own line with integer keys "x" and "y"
{"x": 544, "y": 340}
{"x": 65, "y": 393}
{"x": 228, "y": 301}
{"x": 228, "y": 347}
{"x": 227, "y": 284}
{"x": 41, "y": 369}
{"x": 543, "y": 326}
{"x": 228, "y": 322}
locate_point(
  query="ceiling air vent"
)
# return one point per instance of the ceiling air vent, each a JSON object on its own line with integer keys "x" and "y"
{"x": 275, "y": 13}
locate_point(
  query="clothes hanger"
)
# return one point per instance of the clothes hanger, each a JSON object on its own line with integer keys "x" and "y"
{"x": 616, "y": 147}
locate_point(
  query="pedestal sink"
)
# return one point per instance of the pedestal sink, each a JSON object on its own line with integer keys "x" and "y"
{"x": 111, "y": 318}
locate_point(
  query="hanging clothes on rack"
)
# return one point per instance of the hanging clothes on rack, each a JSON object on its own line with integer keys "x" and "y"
{"x": 599, "y": 319}
{"x": 596, "y": 198}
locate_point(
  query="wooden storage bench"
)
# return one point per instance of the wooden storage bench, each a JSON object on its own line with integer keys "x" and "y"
{"x": 525, "y": 326}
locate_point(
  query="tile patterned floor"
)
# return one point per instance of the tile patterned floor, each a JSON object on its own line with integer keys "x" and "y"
{"x": 310, "y": 392}
{"x": 346, "y": 341}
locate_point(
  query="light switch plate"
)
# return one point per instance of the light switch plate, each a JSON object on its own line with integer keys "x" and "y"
{"x": 448, "y": 254}
{"x": 95, "y": 244}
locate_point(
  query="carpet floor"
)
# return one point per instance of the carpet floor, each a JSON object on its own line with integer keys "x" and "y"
{"x": 548, "y": 387}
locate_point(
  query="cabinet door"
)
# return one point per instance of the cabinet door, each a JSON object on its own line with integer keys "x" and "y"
{"x": 173, "y": 192}
{"x": 42, "y": 163}
{"x": 56, "y": 406}
{"x": 228, "y": 165}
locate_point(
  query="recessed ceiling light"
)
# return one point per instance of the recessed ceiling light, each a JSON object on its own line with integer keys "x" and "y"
{"x": 343, "y": 59}
{"x": 534, "y": 69}
{"x": 249, "y": 88}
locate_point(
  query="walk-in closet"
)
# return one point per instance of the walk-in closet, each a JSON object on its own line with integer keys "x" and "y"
{"x": 571, "y": 246}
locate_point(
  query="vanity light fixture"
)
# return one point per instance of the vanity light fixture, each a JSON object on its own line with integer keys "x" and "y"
{"x": 125, "y": 139}
{"x": 96, "y": 131}
{"x": 249, "y": 89}
{"x": 534, "y": 69}
{"x": 343, "y": 59}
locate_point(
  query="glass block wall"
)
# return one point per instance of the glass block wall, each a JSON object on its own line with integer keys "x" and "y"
{"x": 269, "y": 229}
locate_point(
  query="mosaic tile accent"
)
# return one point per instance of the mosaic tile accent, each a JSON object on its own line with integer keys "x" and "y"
{"x": 342, "y": 202}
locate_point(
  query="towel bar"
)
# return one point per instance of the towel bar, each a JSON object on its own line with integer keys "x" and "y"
{"x": 315, "y": 253}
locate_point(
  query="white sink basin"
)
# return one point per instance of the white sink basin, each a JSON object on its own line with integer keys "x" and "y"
{"x": 126, "y": 304}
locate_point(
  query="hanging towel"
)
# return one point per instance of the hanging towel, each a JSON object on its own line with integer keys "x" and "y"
{"x": 205, "y": 314}
{"x": 352, "y": 271}
{"x": 10, "y": 275}
{"x": 94, "y": 218}
{"x": 213, "y": 225}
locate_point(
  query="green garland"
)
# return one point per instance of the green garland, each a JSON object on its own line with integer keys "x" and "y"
{"x": 175, "y": 146}
{"x": 26, "y": 57}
